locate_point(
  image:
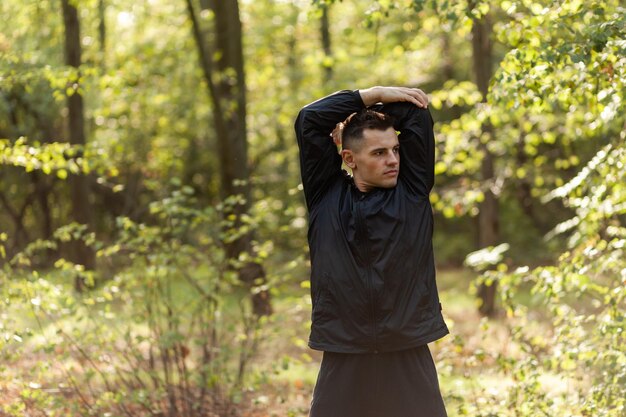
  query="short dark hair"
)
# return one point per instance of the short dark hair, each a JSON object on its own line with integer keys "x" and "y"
{"x": 361, "y": 120}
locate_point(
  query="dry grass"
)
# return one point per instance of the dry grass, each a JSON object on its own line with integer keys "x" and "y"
{"x": 283, "y": 373}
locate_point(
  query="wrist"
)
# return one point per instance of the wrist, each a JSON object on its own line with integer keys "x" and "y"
{"x": 370, "y": 95}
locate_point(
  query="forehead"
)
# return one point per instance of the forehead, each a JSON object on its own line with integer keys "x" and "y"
{"x": 373, "y": 138}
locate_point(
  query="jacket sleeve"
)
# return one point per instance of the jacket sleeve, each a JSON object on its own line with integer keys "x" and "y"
{"x": 319, "y": 159}
{"x": 417, "y": 145}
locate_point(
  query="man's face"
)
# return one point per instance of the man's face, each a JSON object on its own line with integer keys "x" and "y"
{"x": 374, "y": 160}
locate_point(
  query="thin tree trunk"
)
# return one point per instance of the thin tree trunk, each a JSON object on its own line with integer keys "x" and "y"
{"x": 81, "y": 208}
{"x": 294, "y": 75}
{"x": 228, "y": 96}
{"x": 102, "y": 30}
{"x": 448, "y": 67}
{"x": 20, "y": 234}
{"x": 231, "y": 90}
{"x": 42, "y": 191}
{"x": 488, "y": 217}
{"x": 326, "y": 43}
{"x": 293, "y": 71}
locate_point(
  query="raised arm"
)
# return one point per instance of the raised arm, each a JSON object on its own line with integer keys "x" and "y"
{"x": 319, "y": 159}
{"x": 387, "y": 95}
{"x": 417, "y": 145}
{"x": 408, "y": 107}
{"x": 320, "y": 162}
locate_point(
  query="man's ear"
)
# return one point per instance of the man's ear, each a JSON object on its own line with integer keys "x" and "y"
{"x": 348, "y": 158}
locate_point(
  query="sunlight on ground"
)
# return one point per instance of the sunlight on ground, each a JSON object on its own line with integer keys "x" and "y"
{"x": 284, "y": 371}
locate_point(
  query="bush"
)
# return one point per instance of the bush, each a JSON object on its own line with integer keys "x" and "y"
{"x": 576, "y": 365}
{"x": 165, "y": 328}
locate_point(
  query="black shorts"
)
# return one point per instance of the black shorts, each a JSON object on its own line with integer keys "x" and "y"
{"x": 391, "y": 384}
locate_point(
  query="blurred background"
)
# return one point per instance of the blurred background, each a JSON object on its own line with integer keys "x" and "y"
{"x": 153, "y": 255}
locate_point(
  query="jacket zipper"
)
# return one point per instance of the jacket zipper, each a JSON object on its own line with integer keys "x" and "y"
{"x": 370, "y": 284}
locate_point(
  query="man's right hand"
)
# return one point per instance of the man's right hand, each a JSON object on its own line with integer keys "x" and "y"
{"x": 385, "y": 95}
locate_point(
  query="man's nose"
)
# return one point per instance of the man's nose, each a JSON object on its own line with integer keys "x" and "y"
{"x": 393, "y": 159}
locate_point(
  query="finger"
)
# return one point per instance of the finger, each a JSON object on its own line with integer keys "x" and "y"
{"x": 337, "y": 133}
{"x": 412, "y": 99}
{"x": 335, "y": 140}
{"x": 419, "y": 101}
{"x": 423, "y": 98}
{"x": 410, "y": 95}
{"x": 419, "y": 96}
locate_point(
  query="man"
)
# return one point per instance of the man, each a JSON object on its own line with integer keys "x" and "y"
{"x": 375, "y": 300}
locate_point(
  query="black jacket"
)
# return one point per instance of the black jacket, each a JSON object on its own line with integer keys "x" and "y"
{"x": 372, "y": 268}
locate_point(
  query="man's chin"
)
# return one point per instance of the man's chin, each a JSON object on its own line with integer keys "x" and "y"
{"x": 390, "y": 183}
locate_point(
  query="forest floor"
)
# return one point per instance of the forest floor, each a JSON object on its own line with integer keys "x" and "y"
{"x": 282, "y": 374}
{"x": 288, "y": 385}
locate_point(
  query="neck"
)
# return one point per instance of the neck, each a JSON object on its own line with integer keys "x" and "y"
{"x": 362, "y": 186}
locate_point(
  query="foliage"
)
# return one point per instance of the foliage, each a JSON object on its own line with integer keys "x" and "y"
{"x": 54, "y": 158}
{"x": 164, "y": 317}
{"x": 185, "y": 347}
{"x": 566, "y": 90}
{"x": 582, "y": 297}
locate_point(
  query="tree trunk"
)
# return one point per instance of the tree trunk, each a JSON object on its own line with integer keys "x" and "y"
{"x": 81, "y": 210}
{"x": 448, "y": 67}
{"x": 488, "y": 217}
{"x": 228, "y": 96}
{"x": 102, "y": 30}
{"x": 42, "y": 191}
{"x": 326, "y": 45}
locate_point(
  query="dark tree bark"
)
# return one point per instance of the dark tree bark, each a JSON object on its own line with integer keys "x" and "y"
{"x": 488, "y": 217}
{"x": 294, "y": 72}
{"x": 231, "y": 90}
{"x": 81, "y": 208}
{"x": 227, "y": 92}
{"x": 102, "y": 31}
{"x": 43, "y": 188}
{"x": 326, "y": 43}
